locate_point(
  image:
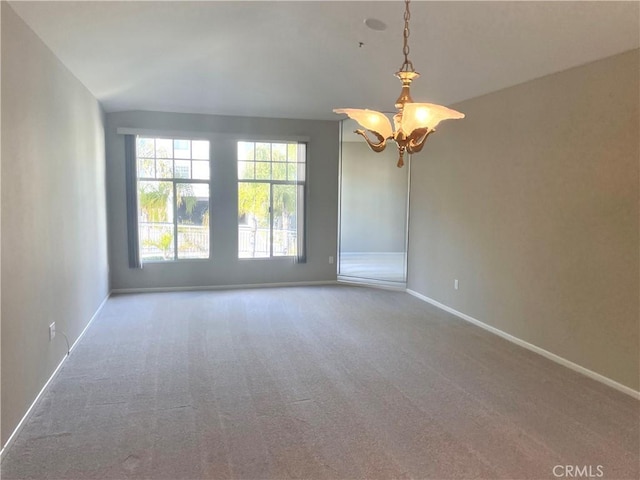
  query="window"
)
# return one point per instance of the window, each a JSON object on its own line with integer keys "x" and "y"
{"x": 271, "y": 193}
{"x": 173, "y": 198}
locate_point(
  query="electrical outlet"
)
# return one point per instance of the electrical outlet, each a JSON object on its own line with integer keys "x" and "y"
{"x": 330, "y": 260}
{"x": 52, "y": 331}
{"x": 455, "y": 284}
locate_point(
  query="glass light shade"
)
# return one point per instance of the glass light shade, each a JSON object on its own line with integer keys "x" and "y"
{"x": 369, "y": 119}
{"x": 425, "y": 115}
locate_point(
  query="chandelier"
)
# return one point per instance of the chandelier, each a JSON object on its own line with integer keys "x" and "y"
{"x": 413, "y": 122}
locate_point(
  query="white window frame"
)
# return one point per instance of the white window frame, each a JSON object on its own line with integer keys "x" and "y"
{"x": 301, "y": 241}
{"x": 175, "y": 181}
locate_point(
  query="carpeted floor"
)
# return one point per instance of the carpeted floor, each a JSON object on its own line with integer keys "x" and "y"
{"x": 315, "y": 383}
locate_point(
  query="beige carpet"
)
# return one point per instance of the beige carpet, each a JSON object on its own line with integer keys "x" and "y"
{"x": 318, "y": 382}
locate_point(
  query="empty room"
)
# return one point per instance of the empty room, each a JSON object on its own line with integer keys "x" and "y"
{"x": 320, "y": 240}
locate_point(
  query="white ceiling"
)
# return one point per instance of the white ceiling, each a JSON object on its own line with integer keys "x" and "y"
{"x": 302, "y": 59}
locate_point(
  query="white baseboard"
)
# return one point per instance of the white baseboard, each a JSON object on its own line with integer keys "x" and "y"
{"x": 529, "y": 346}
{"x": 221, "y": 287}
{"x": 16, "y": 431}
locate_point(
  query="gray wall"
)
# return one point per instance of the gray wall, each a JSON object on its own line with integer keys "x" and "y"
{"x": 531, "y": 202}
{"x": 54, "y": 249}
{"x": 225, "y": 268}
{"x": 373, "y": 199}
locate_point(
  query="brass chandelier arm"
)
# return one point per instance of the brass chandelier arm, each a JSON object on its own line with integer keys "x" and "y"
{"x": 417, "y": 139}
{"x": 376, "y": 147}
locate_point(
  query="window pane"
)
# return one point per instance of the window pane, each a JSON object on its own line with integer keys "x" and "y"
{"x": 182, "y": 148}
{"x": 284, "y": 220}
{"x": 292, "y": 171}
{"x": 246, "y": 170}
{"x": 292, "y": 152}
{"x": 245, "y": 150}
{"x": 155, "y": 220}
{"x": 164, "y": 148}
{"x": 200, "y": 170}
{"x": 145, "y": 147}
{"x": 253, "y": 220}
{"x": 164, "y": 168}
{"x": 301, "y": 171}
{"x": 146, "y": 168}
{"x": 183, "y": 169}
{"x": 155, "y": 201}
{"x": 156, "y": 242}
{"x": 200, "y": 149}
{"x": 193, "y": 220}
{"x": 263, "y": 170}
{"x": 279, "y": 171}
{"x": 263, "y": 151}
{"x": 279, "y": 152}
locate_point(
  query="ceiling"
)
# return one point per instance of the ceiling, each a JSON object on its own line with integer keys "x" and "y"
{"x": 302, "y": 59}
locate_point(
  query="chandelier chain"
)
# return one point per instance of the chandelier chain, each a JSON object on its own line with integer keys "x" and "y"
{"x": 407, "y": 65}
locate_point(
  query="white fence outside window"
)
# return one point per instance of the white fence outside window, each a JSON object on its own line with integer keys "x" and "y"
{"x": 157, "y": 243}
{"x": 254, "y": 243}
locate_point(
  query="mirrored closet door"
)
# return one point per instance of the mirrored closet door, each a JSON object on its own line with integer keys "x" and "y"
{"x": 374, "y": 195}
